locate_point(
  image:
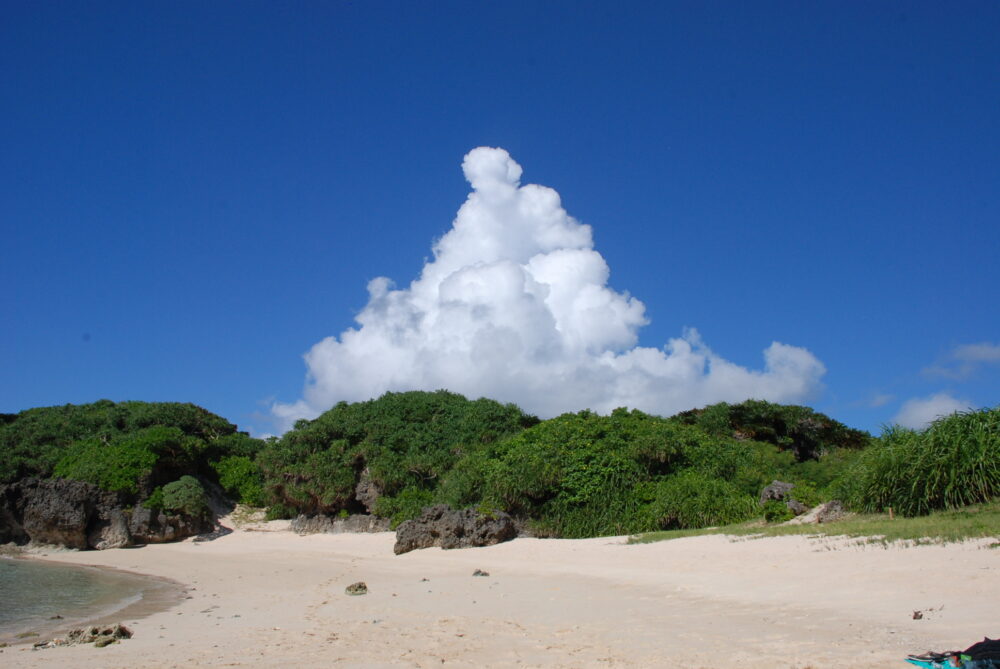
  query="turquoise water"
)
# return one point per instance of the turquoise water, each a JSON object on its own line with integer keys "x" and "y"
{"x": 33, "y": 593}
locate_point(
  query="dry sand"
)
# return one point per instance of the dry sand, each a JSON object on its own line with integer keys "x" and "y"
{"x": 263, "y": 596}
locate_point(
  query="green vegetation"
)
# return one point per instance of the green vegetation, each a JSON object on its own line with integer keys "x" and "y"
{"x": 798, "y": 429}
{"x": 185, "y": 495}
{"x": 586, "y": 475}
{"x": 136, "y": 449}
{"x": 242, "y": 479}
{"x": 401, "y": 444}
{"x": 972, "y": 522}
{"x": 953, "y": 463}
{"x": 576, "y": 475}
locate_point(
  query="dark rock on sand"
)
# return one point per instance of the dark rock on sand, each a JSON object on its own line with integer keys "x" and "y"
{"x": 358, "y": 588}
{"x": 80, "y": 515}
{"x": 56, "y": 511}
{"x": 326, "y": 524}
{"x": 151, "y": 526}
{"x": 441, "y": 526}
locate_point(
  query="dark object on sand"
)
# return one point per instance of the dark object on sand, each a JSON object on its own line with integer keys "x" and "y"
{"x": 440, "y": 526}
{"x": 358, "y": 588}
{"x": 982, "y": 655}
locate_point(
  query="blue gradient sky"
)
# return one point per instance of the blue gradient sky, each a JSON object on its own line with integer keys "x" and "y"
{"x": 194, "y": 194}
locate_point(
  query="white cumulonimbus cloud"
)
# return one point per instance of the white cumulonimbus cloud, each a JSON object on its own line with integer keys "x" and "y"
{"x": 515, "y": 306}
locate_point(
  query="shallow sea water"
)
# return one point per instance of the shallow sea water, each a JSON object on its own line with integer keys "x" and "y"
{"x": 33, "y": 593}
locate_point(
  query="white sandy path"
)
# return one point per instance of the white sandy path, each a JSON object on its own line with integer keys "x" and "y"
{"x": 276, "y": 599}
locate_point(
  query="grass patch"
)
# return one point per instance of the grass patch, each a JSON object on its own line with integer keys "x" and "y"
{"x": 972, "y": 522}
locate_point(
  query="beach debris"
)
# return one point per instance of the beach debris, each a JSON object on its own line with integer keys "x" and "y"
{"x": 439, "y": 525}
{"x": 102, "y": 635}
{"x": 99, "y": 636}
{"x": 982, "y": 655}
{"x": 917, "y": 615}
{"x": 480, "y": 572}
{"x": 358, "y": 588}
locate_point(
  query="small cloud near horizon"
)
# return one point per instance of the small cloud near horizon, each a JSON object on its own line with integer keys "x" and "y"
{"x": 918, "y": 413}
{"x": 964, "y": 361}
{"x": 515, "y": 305}
{"x": 880, "y": 400}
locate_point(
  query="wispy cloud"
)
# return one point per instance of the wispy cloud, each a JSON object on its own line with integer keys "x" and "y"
{"x": 918, "y": 413}
{"x": 964, "y": 361}
{"x": 515, "y": 305}
{"x": 880, "y": 400}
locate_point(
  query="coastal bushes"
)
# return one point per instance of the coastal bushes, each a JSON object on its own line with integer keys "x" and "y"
{"x": 576, "y": 475}
{"x": 954, "y": 462}
{"x": 132, "y": 448}
{"x": 185, "y": 496}
{"x": 797, "y": 429}
{"x": 396, "y": 446}
{"x": 584, "y": 474}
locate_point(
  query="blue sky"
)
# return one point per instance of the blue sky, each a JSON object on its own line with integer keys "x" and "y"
{"x": 195, "y": 195}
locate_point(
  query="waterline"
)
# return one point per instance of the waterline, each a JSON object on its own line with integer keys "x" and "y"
{"x": 42, "y": 598}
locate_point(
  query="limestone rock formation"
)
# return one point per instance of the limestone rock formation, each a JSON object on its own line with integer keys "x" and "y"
{"x": 782, "y": 492}
{"x": 351, "y": 524}
{"x": 80, "y": 515}
{"x": 441, "y": 526}
{"x": 367, "y": 491}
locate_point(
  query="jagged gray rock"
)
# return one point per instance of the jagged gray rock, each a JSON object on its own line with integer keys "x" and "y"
{"x": 321, "y": 524}
{"x": 80, "y": 515}
{"x": 367, "y": 491}
{"x": 149, "y": 526}
{"x": 778, "y": 490}
{"x": 442, "y": 526}
{"x": 782, "y": 492}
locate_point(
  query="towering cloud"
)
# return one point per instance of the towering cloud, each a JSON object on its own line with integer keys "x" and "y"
{"x": 515, "y": 305}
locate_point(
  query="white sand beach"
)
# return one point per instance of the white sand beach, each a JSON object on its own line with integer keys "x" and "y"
{"x": 263, "y": 596}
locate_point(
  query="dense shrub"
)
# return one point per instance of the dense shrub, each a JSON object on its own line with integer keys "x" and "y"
{"x": 403, "y": 442}
{"x": 954, "y": 462}
{"x": 132, "y": 448}
{"x": 776, "y": 511}
{"x": 185, "y": 496}
{"x": 693, "y": 499}
{"x": 242, "y": 479}
{"x": 33, "y": 441}
{"x": 801, "y": 430}
{"x": 583, "y": 474}
{"x": 404, "y": 506}
{"x": 126, "y": 463}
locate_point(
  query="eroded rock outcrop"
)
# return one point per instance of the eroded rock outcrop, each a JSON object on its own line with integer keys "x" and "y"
{"x": 80, "y": 515}
{"x": 442, "y": 526}
{"x": 326, "y": 524}
{"x": 827, "y": 512}
{"x": 782, "y": 492}
{"x": 367, "y": 491}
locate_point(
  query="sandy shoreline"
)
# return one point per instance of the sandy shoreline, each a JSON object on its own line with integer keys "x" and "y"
{"x": 155, "y": 594}
{"x": 273, "y": 598}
